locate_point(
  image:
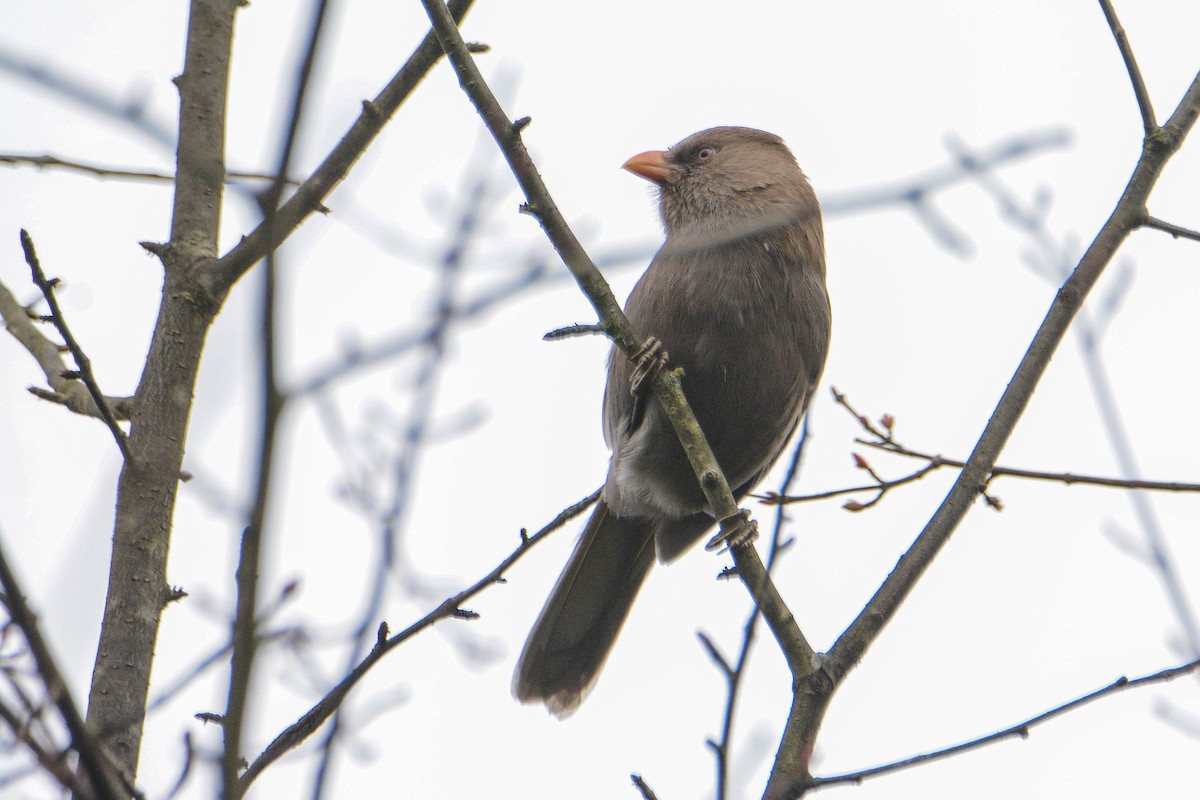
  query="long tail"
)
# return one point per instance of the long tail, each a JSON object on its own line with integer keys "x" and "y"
{"x": 580, "y": 622}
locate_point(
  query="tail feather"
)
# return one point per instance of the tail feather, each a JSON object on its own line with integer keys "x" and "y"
{"x": 579, "y": 624}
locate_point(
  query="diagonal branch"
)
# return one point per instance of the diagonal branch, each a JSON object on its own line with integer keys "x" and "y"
{"x": 1021, "y": 729}
{"x": 1149, "y": 121}
{"x": 309, "y": 196}
{"x": 450, "y": 608}
{"x": 1127, "y": 216}
{"x": 667, "y": 389}
{"x": 81, "y": 360}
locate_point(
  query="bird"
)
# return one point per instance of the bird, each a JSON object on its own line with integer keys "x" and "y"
{"x": 736, "y": 299}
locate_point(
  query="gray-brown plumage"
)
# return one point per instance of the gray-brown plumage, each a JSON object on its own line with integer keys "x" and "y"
{"x": 737, "y": 297}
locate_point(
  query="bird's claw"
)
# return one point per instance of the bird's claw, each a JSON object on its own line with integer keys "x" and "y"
{"x": 737, "y": 529}
{"x": 649, "y": 360}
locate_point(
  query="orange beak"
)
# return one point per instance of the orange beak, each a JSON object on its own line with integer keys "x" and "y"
{"x": 651, "y": 165}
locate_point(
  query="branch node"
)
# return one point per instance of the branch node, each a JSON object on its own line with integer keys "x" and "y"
{"x": 372, "y": 110}
{"x": 157, "y": 249}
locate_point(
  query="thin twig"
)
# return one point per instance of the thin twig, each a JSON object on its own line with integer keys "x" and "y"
{"x": 735, "y": 675}
{"x": 884, "y": 441}
{"x": 1177, "y": 231}
{"x": 49, "y": 161}
{"x": 1021, "y": 729}
{"x": 66, "y": 391}
{"x": 83, "y": 363}
{"x": 1149, "y": 121}
{"x": 450, "y": 608}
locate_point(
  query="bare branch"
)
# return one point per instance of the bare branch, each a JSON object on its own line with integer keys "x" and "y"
{"x": 450, "y": 608}
{"x": 1149, "y": 121}
{"x": 883, "y": 440}
{"x": 1021, "y": 729}
{"x": 49, "y": 161}
{"x": 1176, "y": 231}
{"x": 735, "y": 675}
{"x": 789, "y": 776}
{"x": 245, "y": 634}
{"x": 67, "y": 391}
{"x": 667, "y": 384}
{"x": 310, "y": 194}
{"x": 91, "y": 753}
{"x": 83, "y": 363}
{"x": 1125, "y": 217}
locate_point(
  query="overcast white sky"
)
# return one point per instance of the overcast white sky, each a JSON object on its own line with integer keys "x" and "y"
{"x": 1024, "y": 610}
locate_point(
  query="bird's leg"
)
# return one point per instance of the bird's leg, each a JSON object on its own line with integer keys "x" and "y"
{"x": 741, "y": 529}
{"x": 648, "y": 361}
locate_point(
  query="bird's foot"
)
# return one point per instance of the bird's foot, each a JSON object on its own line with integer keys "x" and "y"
{"x": 648, "y": 361}
{"x": 737, "y": 529}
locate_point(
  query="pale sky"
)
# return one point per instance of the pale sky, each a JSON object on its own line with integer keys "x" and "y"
{"x": 1024, "y": 610}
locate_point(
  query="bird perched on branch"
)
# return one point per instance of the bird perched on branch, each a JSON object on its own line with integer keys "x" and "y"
{"x": 736, "y": 298}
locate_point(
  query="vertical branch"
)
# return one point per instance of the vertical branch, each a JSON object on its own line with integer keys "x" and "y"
{"x": 245, "y": 633}
{"x": 735, "y": 677}
{"x": 137, "y": 584}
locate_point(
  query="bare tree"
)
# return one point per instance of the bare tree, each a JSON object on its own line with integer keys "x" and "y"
{"x": 98, "y": 755}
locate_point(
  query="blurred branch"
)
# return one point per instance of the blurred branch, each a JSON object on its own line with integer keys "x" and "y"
{"x": 450, "y": 608}
{"x": 82, "y": 362}
{"x": 923, "y": 184}
{"x": 917, "y": 191}
{"x": 643, "y": 788}
{"x": 414, "y": 436}
{"x": 92, "y": 757}
{"x": 1021, "y": 729}
{"x": 53, "y": 763}
{"x": 130, "y": 109}
{"x": 309, "y": 196}
{"x": 791, "y": 774}
{"x": 245, "y": 631}
{"x": 1052, "y": 258}
{"x": 48, "y": 161}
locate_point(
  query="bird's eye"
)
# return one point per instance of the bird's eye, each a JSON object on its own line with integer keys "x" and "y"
{"x": 705, "y": 153}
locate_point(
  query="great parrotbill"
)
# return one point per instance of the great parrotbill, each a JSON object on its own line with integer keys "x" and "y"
{"x": 736, "y": 296}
